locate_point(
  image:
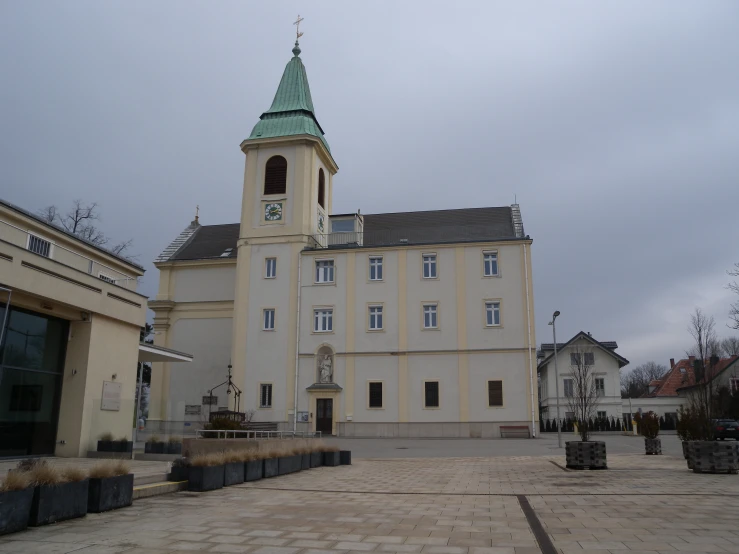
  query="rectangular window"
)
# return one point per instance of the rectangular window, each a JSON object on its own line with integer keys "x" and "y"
{"x": 375, "y": 268}
{"x": 323, "y": 320}
{"x": 430, "y": 316}
{"x": 325, "y": 271}
{"x": 210, "y": 400}
{"x": 492, "y": 314}
{"x": 600, "y": 387}
{"x": 431, "y": 394}
{"x": 270, "y": 268}
{"x": 569, "y": 415}
{"x": 106, "y": 278}
{"x": 589, "y": 359}
{"x": 568, "y": 387}
{"x": 734, "y": 385}
{"x": 375, "y": 394}
{"x": 602, "y": 415}
{"x": 193, "y": 409}
{"x": 265, "y": 395}
{"x": 495, "y": 393}
{"x": 490, "y": 264}
{"x": 269, "y": 319}
{"x": 39, "y": 246}
{"x": 375, "y": 318}
{"x": 429, "y": 266}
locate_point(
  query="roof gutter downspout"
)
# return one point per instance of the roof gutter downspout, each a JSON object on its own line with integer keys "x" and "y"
{"x": 297, "y": 349}
{"x": 528, "y": 325}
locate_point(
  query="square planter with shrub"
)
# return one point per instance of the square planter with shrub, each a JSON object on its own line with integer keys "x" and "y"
{"x": 154, "y": 446}
{"x": 111, "y": 487}
{"x": 316, "y": 458}
{"x": 253, "y": 470}
{"x": 233, "y": 471}
{"x": 345, "y": 456}
{"x": 331, "y": 458}
{"x": 174, "y": 446}
{"x": 180, "y": 470}
{"x": 59, "y": 494}
{"x": 16, "y": 497}
{"x": 123, "y": 445}
{"x": 206, "y": 473}
{"x": 305, "y": 460}
{"x": 271, "y": 467}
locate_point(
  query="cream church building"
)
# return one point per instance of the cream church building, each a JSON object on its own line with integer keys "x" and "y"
{"x": 416, "y": 324}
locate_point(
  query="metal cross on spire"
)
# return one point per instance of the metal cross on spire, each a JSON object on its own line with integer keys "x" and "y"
{"x": 298, "y": 34}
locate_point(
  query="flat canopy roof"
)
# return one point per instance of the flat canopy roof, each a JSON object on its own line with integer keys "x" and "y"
{"x": 151, "y": 353}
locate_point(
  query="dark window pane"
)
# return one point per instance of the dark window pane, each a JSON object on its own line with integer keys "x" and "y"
{"x": 33, "y": 342}
{"x": 495, "y": 393}
{"x": 432, "y": 394}
{"x": 375, "y": 395}
{"x": 275, "y": 175}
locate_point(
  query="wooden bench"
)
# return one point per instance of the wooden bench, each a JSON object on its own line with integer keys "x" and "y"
{"x": 515, "y": 431}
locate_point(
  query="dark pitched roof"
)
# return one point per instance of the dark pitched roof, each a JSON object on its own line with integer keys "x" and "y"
{"x": 547, "y": 346}
{"x": 603, "y": 345}
{"x": 71, "y": 235}
{"x": 199, "y": 242}
{"x": 439, "y": 226}
{"x": 210, "y": 241}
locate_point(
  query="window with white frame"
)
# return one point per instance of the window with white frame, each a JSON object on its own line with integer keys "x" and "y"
{"x": 492, "y": 314}
{"x": 588, "y": 358}
{"x": 375, "y": 318}
{"x": 269, "y": 319}
{"x": 490, "y": 264}
{"x": 429, "y": 266}
{"x": 323, "y": 320}
{"x": 39, "y": 246}
{"x": 324, "y": 271}
{"x": 375, "y": 268}
{"x": 430, "y": 316}
{"x": 270, "y": 268}
{"x": 600, "y": 387}
{"x": 602, "y": 415}
{"x": 265, "y": 395}
{"x": 569, "y": 387}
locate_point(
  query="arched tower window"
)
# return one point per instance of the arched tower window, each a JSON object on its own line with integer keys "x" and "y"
{"x": 321, "y": 189}
{"x": 275, "y": 175}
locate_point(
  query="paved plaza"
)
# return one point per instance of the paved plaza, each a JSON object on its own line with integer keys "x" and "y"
{"x": 427, "y": 505}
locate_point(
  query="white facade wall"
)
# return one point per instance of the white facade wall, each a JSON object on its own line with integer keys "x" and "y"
{"x": 205, "y": 283}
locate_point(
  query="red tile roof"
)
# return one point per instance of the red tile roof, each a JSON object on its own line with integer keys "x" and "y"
{"x": 682, "y": 375}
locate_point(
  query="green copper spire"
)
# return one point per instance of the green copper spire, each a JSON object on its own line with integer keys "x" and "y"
{"x": 291, "y": 112}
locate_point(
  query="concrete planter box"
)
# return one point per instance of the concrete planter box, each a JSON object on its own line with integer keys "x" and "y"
{"x": 715, "y": 457}
{"x": 122, "y": 446}
{"x": 179, "y": 473}
{"x": 15, "y": 510}
{"x": 305, "y": 461}
{"x": 331, "y": 459}
{"x": 155, "y": 448}
{"x": 105, "y": 446}
{"x": 110, "y": 493}
{"x": 206, "y": 478}
{"x": 271, "y": 467}
{"x": 653, "y": 446}
{"x": 52, "y": 503}
{"x": 174, "y": 448}
{"x": 288, "y": 464}
{"x": 586, "y": 455}
{"x": 345, "y": 456}
{"x": 685, "y": 449}
{"x": 233, "y": 473}
{"x": 316, "y": 459}
{"x": 253, "y": 470}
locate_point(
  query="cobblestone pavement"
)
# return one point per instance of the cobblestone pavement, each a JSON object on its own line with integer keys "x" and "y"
{"x": 426, "y": 506}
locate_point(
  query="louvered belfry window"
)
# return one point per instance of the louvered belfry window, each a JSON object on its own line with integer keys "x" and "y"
{"x": 275, "y": 175}
{"x": 321, "y": 189}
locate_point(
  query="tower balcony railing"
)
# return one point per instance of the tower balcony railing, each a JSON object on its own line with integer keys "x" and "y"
{"x": 413, "y": 235}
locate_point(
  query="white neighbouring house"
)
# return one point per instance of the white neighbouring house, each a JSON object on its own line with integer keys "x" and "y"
{"x": 606, "y": 365}
{"x": 413, "y": 324}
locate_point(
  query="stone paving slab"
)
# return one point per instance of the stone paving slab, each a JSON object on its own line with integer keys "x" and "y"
{"x": 423, "y": 506}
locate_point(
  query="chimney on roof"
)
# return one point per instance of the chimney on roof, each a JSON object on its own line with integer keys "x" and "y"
{"x": 672, "y": 363}
{"x": 590, "y": 334}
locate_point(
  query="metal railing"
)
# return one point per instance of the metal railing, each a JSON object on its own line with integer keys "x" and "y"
{"x": 21, "y": 238}
{"x": 412, "y": 235}
{"x": 247, "y": 434}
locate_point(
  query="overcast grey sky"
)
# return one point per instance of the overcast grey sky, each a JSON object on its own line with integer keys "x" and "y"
{"x": 616, "y": 124}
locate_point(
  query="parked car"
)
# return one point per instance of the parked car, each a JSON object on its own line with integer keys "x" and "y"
{"x": 726, "y": 429}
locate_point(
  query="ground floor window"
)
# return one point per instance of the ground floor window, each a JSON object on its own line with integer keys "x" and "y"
{"x": 265, "y": 395}
{"x": 602, "y": 415}
{"x": 431, "y": 394}
{"x": 495, "y": 393}
{"x": 375, "y": 394}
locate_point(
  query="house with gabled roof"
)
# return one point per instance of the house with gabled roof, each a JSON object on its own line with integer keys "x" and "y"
{"x": 605, "y": 364}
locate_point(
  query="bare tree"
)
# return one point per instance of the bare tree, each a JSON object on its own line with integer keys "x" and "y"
{"x": 81, "y": 220}
{"x": 584, "y": 398}
{"x": 729, "y": 347}
{"x": 734, "y": 287}
{"x": 703, "y": 398}
{"x": 635, "y": 383}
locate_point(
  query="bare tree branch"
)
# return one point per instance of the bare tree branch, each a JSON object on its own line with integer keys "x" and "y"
{"x": 635, "y": 383}
{"x": 584, "y": 398}
{"x": 734, "y": 287}
{"x": 703, "y": 399}
{"x": 121, "y": 247}
{"x": 729, "y": 347}
{"x": 49, "y": 214}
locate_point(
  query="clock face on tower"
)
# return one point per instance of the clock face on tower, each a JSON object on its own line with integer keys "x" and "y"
{"x": 273, "y": 211}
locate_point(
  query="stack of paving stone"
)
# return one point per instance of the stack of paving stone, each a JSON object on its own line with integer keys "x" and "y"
{"x": 715, "y": 457}
{"x": 586, "y": 455}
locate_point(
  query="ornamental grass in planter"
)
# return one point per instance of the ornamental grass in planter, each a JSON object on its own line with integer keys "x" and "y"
{"x": 253, "y": 467}
{"x": 331, "y": 456}
{"x": 270, "y": 463}
{"x": 649, "y": 428}
{"x": 180, "y": 470}
{"x": 233, "y": 469}
{"x": 174, "y": 445}
{"x": 206, "y": 472}
{"x": 316, "y": 454}
{"x": 105, "y": 442}
{"x": 288, "y": 461}
{"x": 123, "y": 445}
{"x": 154, "y": 446}
{"x": 111, "y": 486}
{"x": 304, "y": 458}
{"x": 16, "y": 497}
{"x": 59, "y": 494}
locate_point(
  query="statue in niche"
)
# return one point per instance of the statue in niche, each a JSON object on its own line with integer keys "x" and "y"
{"x": 325, "y": 369}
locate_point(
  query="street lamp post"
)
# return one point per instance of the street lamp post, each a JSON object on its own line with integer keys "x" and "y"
{"x": 556, "y": 376}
